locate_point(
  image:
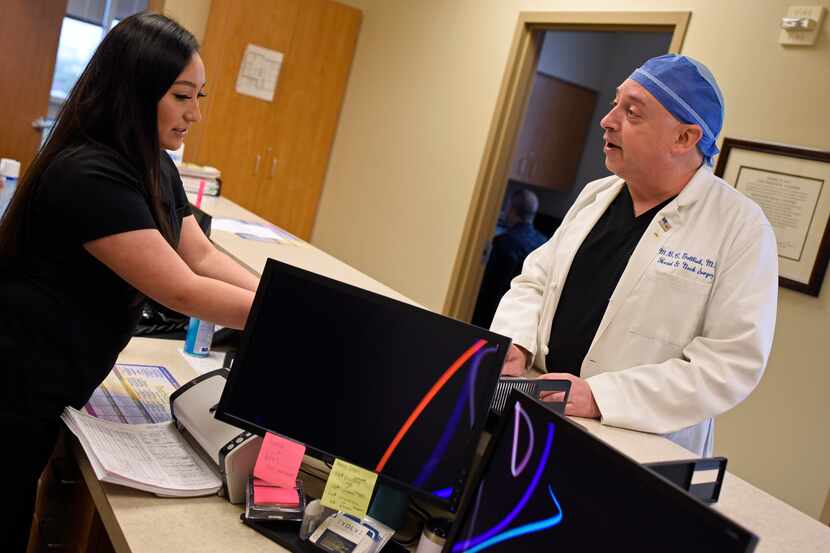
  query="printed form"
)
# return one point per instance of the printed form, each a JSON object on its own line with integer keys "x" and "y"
{"x": 150, "y": 457}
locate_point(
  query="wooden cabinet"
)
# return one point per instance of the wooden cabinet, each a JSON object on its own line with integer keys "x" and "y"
{"x": 65, "y": 519}
{"x": 31, "y": 29}
{"x": 273, "y": 155}
{"x": 552, "y": 137}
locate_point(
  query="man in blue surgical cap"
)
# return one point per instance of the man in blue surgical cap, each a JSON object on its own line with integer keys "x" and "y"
{"x": 656, "y": 297}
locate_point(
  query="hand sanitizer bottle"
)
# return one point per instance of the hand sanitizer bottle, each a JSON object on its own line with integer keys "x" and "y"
{"x": 199, "y": 337}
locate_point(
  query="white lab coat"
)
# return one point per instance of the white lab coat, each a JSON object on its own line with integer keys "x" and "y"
{"x": 688, "y": 330}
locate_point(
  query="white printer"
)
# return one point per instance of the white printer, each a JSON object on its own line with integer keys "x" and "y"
{"x": 232, "y": 450}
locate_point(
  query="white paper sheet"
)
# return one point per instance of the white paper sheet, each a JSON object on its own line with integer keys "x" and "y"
{"x": 203, "y": 365}
{"x": 133, "y": 394}
{"x": 248, "y": 230}
{"x": 150, "y": 457}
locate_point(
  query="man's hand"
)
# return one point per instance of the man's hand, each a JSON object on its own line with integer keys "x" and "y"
{"x": 515, "y": 362}
{"x": 581, "y": 401}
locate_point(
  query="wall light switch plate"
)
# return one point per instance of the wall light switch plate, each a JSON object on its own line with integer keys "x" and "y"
{"x": 802, "y": 38}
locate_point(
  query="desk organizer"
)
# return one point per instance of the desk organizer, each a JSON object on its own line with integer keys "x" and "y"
{"x": 287, "y": 534}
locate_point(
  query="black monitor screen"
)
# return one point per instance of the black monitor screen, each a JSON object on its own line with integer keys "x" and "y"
{"x": 549, "y": 485}
{"x": 374, "y": 381}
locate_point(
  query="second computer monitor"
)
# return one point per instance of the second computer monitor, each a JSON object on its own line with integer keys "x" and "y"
{"x": 548, "y": 485}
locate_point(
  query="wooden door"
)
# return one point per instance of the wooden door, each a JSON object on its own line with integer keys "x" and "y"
{"x": 29, "y": 34}
{"x": 302, "y": 125}
{"x": 229, "y": 136}
{"x": 552, "y": 137}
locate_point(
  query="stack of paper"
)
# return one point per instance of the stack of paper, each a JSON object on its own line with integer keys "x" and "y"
{"x": 150, "y": 457}
{"x": 193, "y": 176}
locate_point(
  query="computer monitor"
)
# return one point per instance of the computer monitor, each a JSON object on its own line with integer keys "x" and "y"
{"x": 548, "y": 485}
{"x": 377, "y": 382}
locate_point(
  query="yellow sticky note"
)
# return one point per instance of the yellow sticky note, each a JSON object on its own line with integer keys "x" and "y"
{"x": 349, "y": 489}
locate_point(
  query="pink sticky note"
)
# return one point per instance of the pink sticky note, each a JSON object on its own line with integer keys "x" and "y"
{"x": 200, "y": 193}
{"x": 282, "y": 496}
{"x": 279, "y": 461}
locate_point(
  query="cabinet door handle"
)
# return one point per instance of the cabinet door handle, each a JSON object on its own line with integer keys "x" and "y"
{"x": 256, "y": 164}
{"x": 273, "y": 167}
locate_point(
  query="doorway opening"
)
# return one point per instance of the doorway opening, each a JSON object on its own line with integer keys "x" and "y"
{"x": 545, "y": 139}
{"x": 559, "y": 144}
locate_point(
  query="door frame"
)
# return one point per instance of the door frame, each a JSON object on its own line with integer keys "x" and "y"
{"x": 491, "y": 181}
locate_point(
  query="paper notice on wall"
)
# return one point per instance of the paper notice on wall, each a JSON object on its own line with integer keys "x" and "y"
{"x": 259, "y": 72}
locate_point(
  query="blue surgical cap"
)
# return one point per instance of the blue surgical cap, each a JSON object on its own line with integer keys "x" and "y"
{"x": 687, "y": 89}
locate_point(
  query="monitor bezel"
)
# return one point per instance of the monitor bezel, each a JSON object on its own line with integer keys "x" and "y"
{"x": 674, "y": 493}
{"x": 272, "y": 267}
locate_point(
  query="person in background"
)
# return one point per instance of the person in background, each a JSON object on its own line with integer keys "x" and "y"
{"x": 656, "y": 297}
{"x": 507, "y": 254}
{"x": 100, "y": 221}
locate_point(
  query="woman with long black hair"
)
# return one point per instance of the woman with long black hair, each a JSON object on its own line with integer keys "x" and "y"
{"x": 99, "y": 222}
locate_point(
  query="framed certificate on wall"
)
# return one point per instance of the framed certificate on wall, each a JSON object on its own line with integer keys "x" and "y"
{"x": 792, "y": 186}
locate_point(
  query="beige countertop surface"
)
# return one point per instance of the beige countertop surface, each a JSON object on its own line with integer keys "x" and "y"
{"x": 139, "y": 522}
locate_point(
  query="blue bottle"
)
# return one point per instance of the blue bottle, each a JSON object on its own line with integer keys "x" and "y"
{"x": 7, "y": 186}
{"x": 9, "y": 172}
{"x": 199, "y": 337}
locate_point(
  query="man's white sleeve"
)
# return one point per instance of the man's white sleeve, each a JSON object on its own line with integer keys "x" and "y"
{"x": 518, "y": 313}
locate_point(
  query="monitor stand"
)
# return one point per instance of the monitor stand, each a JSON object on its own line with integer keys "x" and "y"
{"x": 287, "y": 534}
{"x": 389, "y": 506}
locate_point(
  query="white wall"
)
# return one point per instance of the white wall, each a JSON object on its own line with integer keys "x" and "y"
{"x": 416, "y": 116}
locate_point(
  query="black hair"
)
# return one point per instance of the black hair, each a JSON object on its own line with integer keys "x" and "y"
{"x": 525, "y": 204}
{"x": 114, "y": 103}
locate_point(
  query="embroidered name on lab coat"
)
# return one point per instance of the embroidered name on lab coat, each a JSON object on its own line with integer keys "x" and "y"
{"x": 700, "y": 266}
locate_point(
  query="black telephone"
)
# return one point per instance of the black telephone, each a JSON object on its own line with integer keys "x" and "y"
{"x": 160, "y": 322}
{"x": 156, "y": 319}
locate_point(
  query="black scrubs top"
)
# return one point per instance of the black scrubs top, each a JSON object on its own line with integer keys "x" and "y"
{"x": 65, "y": 316}
{"x": 594, "y": 274}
